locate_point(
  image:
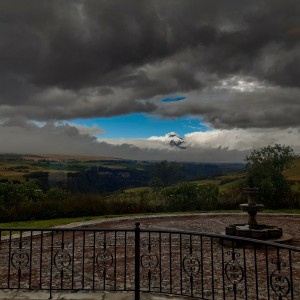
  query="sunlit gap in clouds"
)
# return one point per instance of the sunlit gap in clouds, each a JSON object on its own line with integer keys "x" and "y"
{"x": 241, "y": 84}
{"x": 139, "y": 125}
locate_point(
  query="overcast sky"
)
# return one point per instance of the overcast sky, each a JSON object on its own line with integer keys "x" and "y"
{"x": 225, "y": 75}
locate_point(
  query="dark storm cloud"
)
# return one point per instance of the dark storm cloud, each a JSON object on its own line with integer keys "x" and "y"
{"x": 270, "y": 107}
{"x": 81, "y": 59}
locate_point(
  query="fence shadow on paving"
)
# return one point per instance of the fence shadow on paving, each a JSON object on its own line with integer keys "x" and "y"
{"x": 195, "y": 265}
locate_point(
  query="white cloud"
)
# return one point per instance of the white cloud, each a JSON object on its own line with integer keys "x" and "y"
{"x": 207, "y": 144}
{"x": 242, "y": 139}
{"x": 241, "y": 84}
{"x": 230, "y": 145}
{"x": 140, "y": 143}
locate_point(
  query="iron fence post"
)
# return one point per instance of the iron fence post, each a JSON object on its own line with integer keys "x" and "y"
{"x": 137, "y": 254}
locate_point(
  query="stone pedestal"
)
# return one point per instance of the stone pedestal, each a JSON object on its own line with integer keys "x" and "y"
{"x": 252, "y": 212}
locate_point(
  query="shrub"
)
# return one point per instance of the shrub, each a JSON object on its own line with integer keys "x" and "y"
{"x": 230, "y": 199}
{"x": 190, "y": 196}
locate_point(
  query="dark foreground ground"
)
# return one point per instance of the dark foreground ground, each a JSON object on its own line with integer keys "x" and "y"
{"x": 211, "y": 254}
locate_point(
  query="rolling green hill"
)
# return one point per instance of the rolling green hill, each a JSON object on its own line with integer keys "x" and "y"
{"x": 124, "y": 174}
{"x": 97, "y": 189}
{"x": 97, "y": 174}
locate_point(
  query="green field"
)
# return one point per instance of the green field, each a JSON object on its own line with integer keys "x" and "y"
{"x": 18, "y": 167}
{"x": 47, "y": 194}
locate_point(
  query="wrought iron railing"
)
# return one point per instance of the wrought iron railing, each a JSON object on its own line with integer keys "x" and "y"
{"x": 195, "y": 265}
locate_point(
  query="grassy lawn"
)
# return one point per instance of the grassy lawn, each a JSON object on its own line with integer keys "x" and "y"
{"x": 47, "y": 223}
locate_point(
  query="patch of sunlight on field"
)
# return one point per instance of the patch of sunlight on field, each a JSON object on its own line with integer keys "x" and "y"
{"x": 137, "y": 190}
{"x": 293, "y": 173}
{"x": 19, "y": 171}
{"x": 208, "y": 181}
{"x": 233, "y": 176}
{"x": 113, "y": 166}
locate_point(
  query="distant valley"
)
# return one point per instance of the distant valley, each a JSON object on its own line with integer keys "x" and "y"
{"x": 84, "y": 174}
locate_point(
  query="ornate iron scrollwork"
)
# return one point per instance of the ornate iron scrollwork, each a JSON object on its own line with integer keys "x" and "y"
{"x": 191, "y": 265}
{"x": 20, "y": 257}
{"x": 279, "y": 282}
{"x": 149, "y": 260}
{"x": 234, "y": 272}
{"x": 104, "y": 260}
{"x": 62, "y": 261}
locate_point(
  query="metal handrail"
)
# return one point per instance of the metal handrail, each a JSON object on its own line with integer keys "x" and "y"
{"x": 174, "y": 262}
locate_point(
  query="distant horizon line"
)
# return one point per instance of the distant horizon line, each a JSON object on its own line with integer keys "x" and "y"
{"x": 103, "y": 158}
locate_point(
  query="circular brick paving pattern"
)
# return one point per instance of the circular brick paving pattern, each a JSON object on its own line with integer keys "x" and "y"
{"x": 209, "y": 223}
{"x": 176, "y": 259}
{"x": 216, "y": 223}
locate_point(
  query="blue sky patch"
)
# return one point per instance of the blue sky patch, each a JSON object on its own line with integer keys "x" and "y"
{"x": 141, "y": 125}
{"x": 173, "y": 99}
